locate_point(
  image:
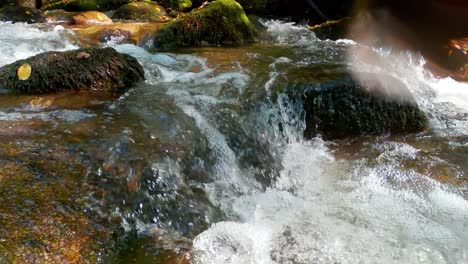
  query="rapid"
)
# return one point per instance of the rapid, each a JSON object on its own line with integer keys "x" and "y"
{"x": 208, "y": 153}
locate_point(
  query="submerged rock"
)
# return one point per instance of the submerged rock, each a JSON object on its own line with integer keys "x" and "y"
{"x": 99, "y": 70}
{"x": 141, "y": 11}
{"x": 21, "y": 14}
{"x": 42, "y": 214}
{"x": 370, "y": 106}
{"x": 219, "y": 22}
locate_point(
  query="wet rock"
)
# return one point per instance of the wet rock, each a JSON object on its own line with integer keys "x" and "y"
{"x": 28, "y": 3}
{"x": 333, "y": 29}
{"x": 219, "y": 22}
{"x": 94, "y": 70}
{"x": 141, "y": 11}
{"x": 90, "y": 18}
{"x": 42, "y": 208}
{"x": 21, "y": 14}
{"x": 84, "y": 5}
{"x": 372, "y": 105}
{"x": 461, "y": 74}
{"x": 178, "y": 5}
{"x": 138, "y": 33}
{"x": 60, "y": 16}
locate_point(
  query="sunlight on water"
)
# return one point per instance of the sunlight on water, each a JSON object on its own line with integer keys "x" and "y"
{"x": 380, "y": 207}
{"x": 369, "y": 210}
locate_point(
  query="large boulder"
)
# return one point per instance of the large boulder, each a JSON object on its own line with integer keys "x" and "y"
{"x": 372, "y": 105}
{"x": 16, "y": 13}
{"x": 219, "y": 22}
{"x": 97, "y": 70}
{"x": 141, "y": 11}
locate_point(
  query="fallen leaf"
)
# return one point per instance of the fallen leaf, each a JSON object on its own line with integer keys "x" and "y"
{"x": 23, "y": 72}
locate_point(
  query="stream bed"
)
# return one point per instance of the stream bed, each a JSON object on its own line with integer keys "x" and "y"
{"x": 206, "y": 161}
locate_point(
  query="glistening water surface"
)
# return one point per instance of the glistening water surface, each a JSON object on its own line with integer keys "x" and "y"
{"x": 207, "y": 155}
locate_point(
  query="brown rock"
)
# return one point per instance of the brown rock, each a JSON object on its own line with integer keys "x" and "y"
{"x": 137, "y": 33}
{"x": 91, "y": 18}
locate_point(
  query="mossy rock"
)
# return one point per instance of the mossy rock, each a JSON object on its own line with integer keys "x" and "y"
{"x": 219, "y": 22}
{"x": 374, "y": 105}
{"x": 21, "y": 14}
{"x": 141, "y": 11}
{"x": 178, "y": 5}
{"x": 96, "y": 70}
{"x": 84, "y": 5}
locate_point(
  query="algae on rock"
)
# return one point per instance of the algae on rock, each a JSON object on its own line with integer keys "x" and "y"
{"x": 97, "y": 70}
{"x": 141, "y": 11}
{"x": 219, "y": 22}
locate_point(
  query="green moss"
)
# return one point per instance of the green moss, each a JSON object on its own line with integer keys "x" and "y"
{"x": 99, "y": 70}
{"x": 220, "y": 22}
{"x": 179, "y": 5}
{"x": 141, "y": 11}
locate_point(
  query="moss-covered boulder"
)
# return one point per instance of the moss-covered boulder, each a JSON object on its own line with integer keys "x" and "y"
{"x": 178, "y": 5}
{"x": 141, "y": 11}
{"x": 219, "y": 22}
{"x": 93, "y": 70}
{"x": 374, "y": 105}
{"x": 15, "y": 13}
{"x": 84, "y": 5}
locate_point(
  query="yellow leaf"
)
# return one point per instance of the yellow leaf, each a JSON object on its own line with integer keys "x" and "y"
{"x": 23, "y": 72}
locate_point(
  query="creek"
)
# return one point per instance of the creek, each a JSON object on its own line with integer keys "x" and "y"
{"x": 208, "y": 155}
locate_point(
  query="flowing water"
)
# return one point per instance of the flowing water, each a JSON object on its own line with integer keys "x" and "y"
{"x": 207, "y": 155}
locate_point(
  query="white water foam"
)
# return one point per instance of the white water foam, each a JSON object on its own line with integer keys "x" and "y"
{"x": 20, "y": 41}
{"x": 322, "y": 210}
